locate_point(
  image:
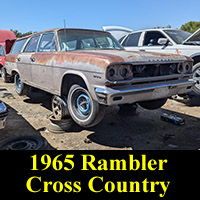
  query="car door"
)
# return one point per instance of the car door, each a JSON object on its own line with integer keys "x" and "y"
{"x": 25, "y": 61}
{"x": 150, "y": 43}
{"x": 42, "y": 63}
{"x": 131, "y": 41}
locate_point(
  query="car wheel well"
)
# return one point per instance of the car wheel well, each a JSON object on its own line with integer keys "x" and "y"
{"x": 68, "y": 81}
{"x": 13, "y": 73}
{"x": 196, "y": 59}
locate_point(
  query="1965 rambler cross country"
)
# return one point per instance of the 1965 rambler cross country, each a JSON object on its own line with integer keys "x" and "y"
{"x": 87, "y": 70}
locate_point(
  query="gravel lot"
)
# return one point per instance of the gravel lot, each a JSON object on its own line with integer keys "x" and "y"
{"x": 141, "y": 130}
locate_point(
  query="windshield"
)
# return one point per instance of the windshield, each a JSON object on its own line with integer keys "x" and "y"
{"x": 178, "y": 36}
{"x": 72, "y": 40}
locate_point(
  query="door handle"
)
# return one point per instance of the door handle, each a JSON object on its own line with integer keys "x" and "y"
{"x": 19, "y": 59}
{"x": 142, "y": 50}
{"x": 32, "y": 59}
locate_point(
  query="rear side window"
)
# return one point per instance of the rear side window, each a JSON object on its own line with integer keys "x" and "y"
{"x": 18, "y": 46}
{"x": 32, "y": 44}
{"x": 1, "y": 51}
{"x": 47, "y": 43}
{"x": 132, "y": 40}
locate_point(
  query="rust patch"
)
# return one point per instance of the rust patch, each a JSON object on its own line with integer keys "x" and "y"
{"x": 94, "y": 58}
{"x": 11, "y": 58}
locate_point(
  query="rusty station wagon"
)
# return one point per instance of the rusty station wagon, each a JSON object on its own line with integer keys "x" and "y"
{"x": 87, "y": 70}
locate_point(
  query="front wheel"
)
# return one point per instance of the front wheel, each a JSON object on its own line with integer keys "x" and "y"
{"x": 196, "y": 77}
{"x": 20, "y": 87}
{"x": 83, "y": 109}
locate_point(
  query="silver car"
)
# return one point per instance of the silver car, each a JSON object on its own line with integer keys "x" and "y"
{"x": 88, "y": 70}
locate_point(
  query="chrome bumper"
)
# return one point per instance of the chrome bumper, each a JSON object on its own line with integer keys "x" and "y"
{"x": 142, "y": 92}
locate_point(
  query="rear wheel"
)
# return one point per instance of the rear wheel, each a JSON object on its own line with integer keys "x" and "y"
{"x": 4, "y": 75}
{"x": 20, "y": 87}
{"x": 83, "y": 109}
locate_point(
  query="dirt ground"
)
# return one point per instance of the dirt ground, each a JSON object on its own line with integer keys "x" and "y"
{"x": 140, "y": 131}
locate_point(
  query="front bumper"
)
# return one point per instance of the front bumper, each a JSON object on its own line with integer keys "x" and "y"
{"x": 142, "y": 92}
{"x": 3, "y": 115}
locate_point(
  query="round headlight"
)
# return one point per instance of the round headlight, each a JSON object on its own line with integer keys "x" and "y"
{"x": 184, "y": 68}
{"x": 112, "y": 73}
{"x": 188, "y": 67}
{"x": 180, "y": 68}
{"x": 125, "y": 71}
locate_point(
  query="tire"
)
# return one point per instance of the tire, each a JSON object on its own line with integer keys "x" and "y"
{"x": 20, "y": 87}
{"x": 196, "y": 76}
{"x": 83, "y": 109}
{"x": 59, "y": 107}
{"x": 4, "y": 75}
{"x": 153, "y": 104}
{"x": 25, "y": 142}
{"x": 60, "y": 126}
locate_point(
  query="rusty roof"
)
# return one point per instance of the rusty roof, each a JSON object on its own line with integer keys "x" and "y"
{"x": 57, "y": 29}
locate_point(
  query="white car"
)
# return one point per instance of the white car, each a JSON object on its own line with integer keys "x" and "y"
{"x": 172, "y": 41}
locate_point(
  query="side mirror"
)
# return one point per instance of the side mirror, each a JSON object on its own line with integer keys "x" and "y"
{"x": 163, "y": 41}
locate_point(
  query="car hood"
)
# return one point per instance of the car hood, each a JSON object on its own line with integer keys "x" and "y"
{"x": 100, "y": 59}
{"x": 122, "y": 56}
{"x": 103, "y": 58}
{"x": 194, "y": 37}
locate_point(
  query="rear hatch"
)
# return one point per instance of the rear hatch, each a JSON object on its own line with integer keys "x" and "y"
{"x": 117, "y": 31}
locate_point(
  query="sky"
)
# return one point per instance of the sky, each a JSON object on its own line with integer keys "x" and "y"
{"x": 39, "y": 15}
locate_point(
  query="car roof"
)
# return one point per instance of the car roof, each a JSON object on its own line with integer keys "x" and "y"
{"x": 57, "y": 29}
{"x": 155, "y": 29}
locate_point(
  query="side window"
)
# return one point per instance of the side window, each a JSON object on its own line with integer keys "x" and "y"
{"x": 1, "y": 51}
{"x": 151, "y": 38}
{"x": 88, "y": 43}
{"x": 32, "y": 44}
{"x": 18, "y": 46}
{"x": 132, "y": 40}
{"x": 47, "y": 43}
{"x": 120, "y": 40}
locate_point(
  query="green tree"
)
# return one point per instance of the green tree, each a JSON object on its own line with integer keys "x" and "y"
{"x": 191, "y": 26}
{"x": 19, "y": 34}
{"x": 158, "y": 27}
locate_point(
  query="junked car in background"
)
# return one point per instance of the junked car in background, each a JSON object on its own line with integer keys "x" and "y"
{"x": 7, "y": 38}
{"x": 88, "y": 70}
{"x": 3, "y": 114}
{"x": 164, "y": 40}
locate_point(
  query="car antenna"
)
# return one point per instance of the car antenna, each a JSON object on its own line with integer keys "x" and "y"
{"x": 64, "y": 24}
